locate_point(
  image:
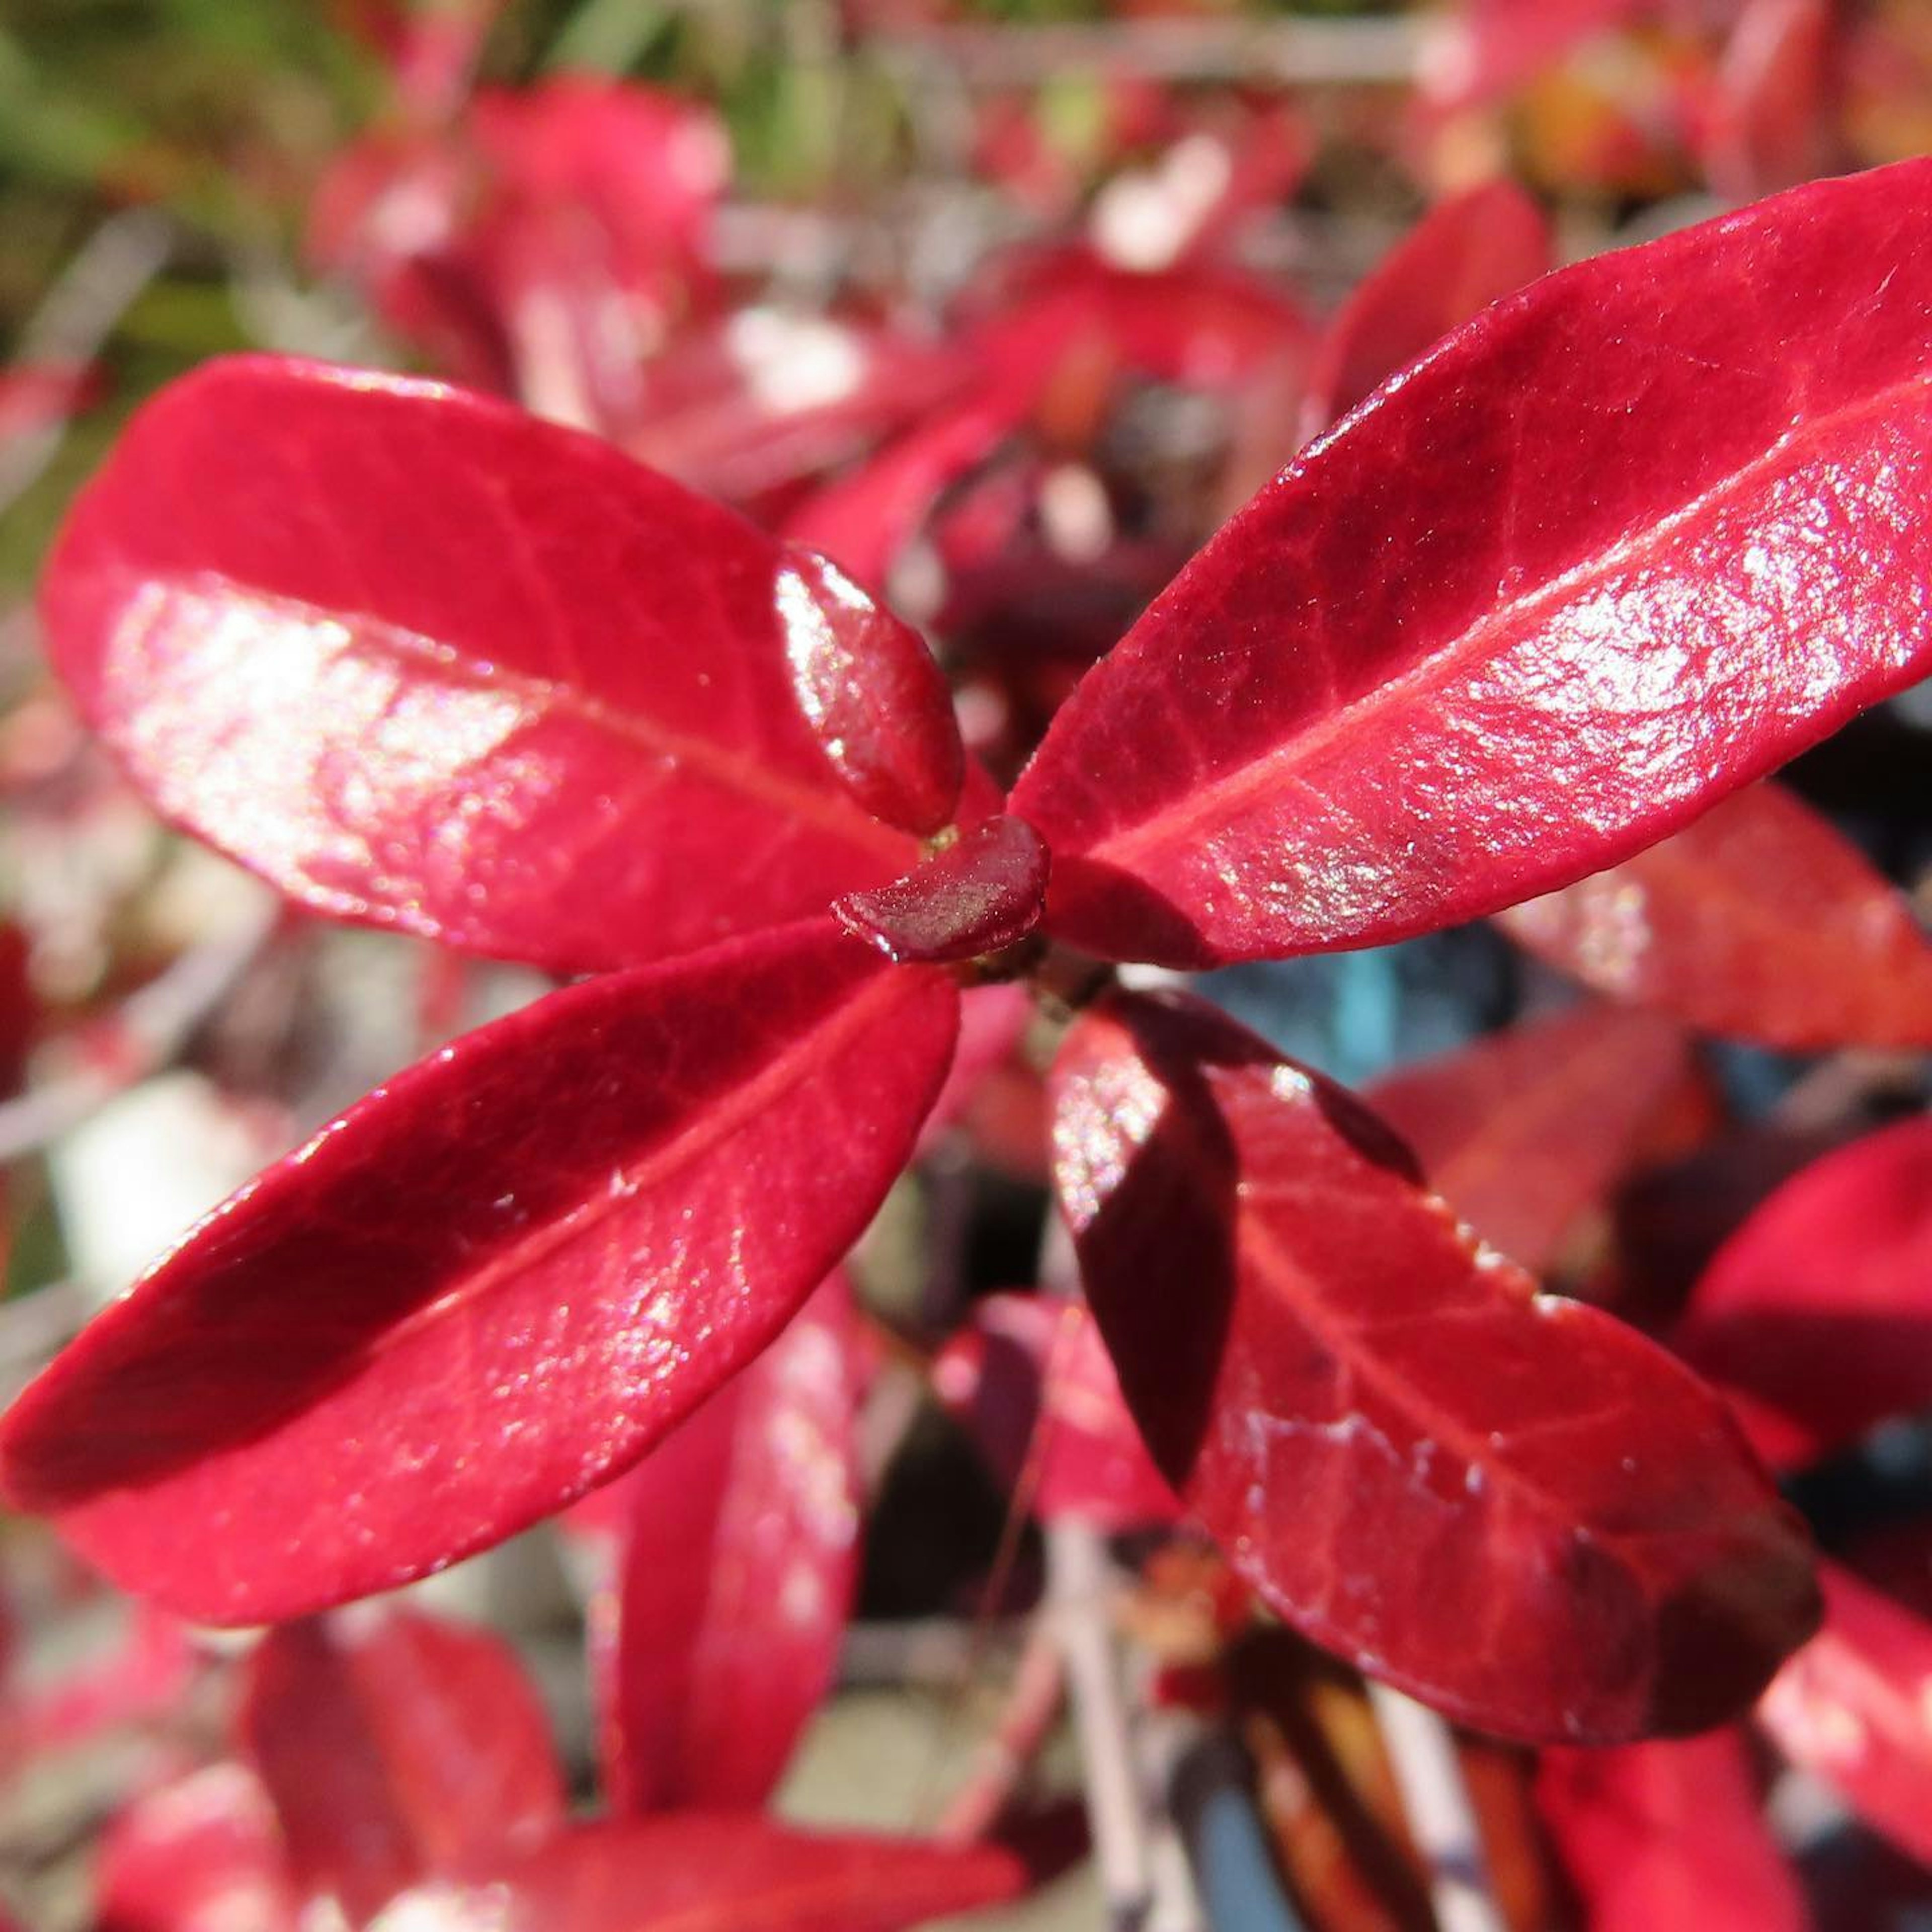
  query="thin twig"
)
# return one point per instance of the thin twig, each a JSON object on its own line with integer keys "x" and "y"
{"x": 1441, "y": 1820}
{"x": 150, "y": 1028}
{"x": 1003, "y": 1758}
{"x": 73, "y": 322}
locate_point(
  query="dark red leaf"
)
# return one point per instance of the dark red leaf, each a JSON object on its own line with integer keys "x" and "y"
{"x": 200, "y": 1855}
{"x": 1031, "y": 1381}
{"x": 740, "y": 1557}
{"x": 1467, "y": 252}
{"x": 395, "y": 1745}
{"x": 425, "y": 662}
{"x": 1670, "y": 1837}
{"x": 696, "y": 1872}
{"x": 1853, "y": 1707}
{"x": 497, "y": 1281}
{"x": 983, "y": 893}
{"x": 1818, "y": 1311}
{"x": 1622, "y": 544}
{"x": 1759, "y": 921}
{"x": 1506, "y": 1503}
{"x": 1523, "y": 1131}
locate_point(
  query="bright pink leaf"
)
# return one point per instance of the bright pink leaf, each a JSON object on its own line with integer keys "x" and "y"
{"x": 395, "y": 1745}
{"x": 1670, "y": 1837}
{"x": 1465, "y": 253}
{"x": 1622, "y": 544}
{"x": 982, "y": 893}
{"x": 699, "y": 1872}
{"x": 495, "y": 1282}
{"x": 201, "y": 1855}
{"x": 1032, "y": 1381}
{"x": 1852, "y": 1707}
{"x": 740, "y": 1557}
{"x": 1523, "y": 1131}
{"x": 1818, "y": 1311}
{"x": 1759, "y": 921}
{"x": 423, "y": 661}
{"x": 1506, "y": 1503}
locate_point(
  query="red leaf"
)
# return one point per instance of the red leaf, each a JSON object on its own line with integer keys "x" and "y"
{"x": 1506, "y": 1503}
{"x": 1853, "y": 1707}
{"x": 1022, "y": 1354}
{"x": 495, "y": 1282}
{"x": 1465, "y": 253}
{"x": 1759, "y": 921}
{"x": 736, "y": 1578}
{"x": 1493, "y": 46}
{"x": 1772, "y": 119}
{"x": 1523, "y": 1131}
{"x": 1819, "y": 1309}
{"x": 424, "y": 661}
{"x": 1670, "y": 1837}
{"x": 395, "y": 1745}
{"x": 698, "y": 1872}
{"x": 198, "y": 1855}
{"x": 982, "y": 893}
{"x": 1625, "y": 542}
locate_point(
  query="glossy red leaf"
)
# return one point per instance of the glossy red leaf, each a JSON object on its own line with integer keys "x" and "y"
{"x": 1465, "y": 253}
{"x": 982, "y": 893}
{"x": 495, "y": 1282}
{"x": 1522, "y": 1132}
{"x": 1627, "y": 540}
{"x": 740, "y": 1555}
{"x": 1031, "y": 1380}
{"x": 1853, "y": 1707}
{"x": 200, "y": 1855}
{"x": 395, "y": 1745}
{"x": 1506, "y": 1503}
{"x": 423, "y": 661}
{"x": 700, "y": 1872}
{"x": 1670, "y": 1837}
{"x": 1818, "y": 1311}
{"x": 1760, "y": 921}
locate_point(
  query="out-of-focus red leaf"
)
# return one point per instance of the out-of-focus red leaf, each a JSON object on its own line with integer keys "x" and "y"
{"x": 1523, "y": 1131}
{"x": 423, "y": 661}
{"x": 740, "y": 1557}
{"x": 1818, "y": 1311}
{"x": 1771, "y": 117}
{"x": 1583, "y": 570}
{"x": 1467, "y": 252}
{"x": 145, "y": 1675}
{"x": 993, "y": 1021}
{"x": 198, "y": 1855}
{"x": 1758, "y": 920}
{"x": 1031, "y": 1380}
{"x": 698, "y": 1872}
{"x": 1670, "y": 1837}
{"x": 33, "y": 396}
{"x": 1489, "y": 46}
{"x": 395, "y": 1745}
{"x": 497, "y": 1281}
{"x": 1853, "y": 1707}
{"x": 983, "y": 892}
{"x": 1506, "y": 1503}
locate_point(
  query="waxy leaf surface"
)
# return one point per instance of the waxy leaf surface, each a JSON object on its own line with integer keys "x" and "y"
{"x": 739, "y": 1556}
{"x": 1030, "y": 1379}
{"x": 1759, "y": 920}
{"x": 495, "y": 1282}
{"x": 1523, "y": 1131}
{"x": 424, "y": 661}
{"x": 1465, "y": 253}
{"x": 1629, "y": 539}
{"x": 984, "y": 892}
{"x": 1509, "y": 1504}
{"x": 699, "y": 1872}
{"x": 395, "y": 1745}
{"x": 1670, "y": 1837}
{"x": 1852, "y": 1708}
{"x": 1818, "y": 1311}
